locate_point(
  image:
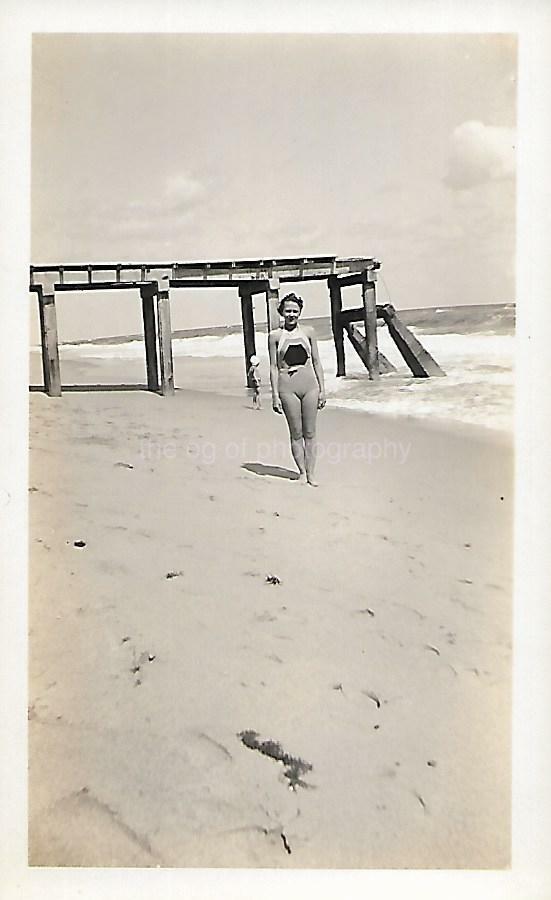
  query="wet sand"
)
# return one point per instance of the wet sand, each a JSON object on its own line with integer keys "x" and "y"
{"x": 230, "y": 669}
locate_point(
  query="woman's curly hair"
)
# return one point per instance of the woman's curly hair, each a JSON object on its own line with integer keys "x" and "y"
{"x": 293, "y": 297}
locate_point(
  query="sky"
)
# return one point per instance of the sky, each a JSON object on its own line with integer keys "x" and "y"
{"x": 162, "y": 148}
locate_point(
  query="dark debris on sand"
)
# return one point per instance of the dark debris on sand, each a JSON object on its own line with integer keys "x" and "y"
{"x": 272, "y": 579}
{"x": 294, "y": 766}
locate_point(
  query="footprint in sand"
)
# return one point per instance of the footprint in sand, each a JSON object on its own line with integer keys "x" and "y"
{"x": 462, "y": 603}
{"x": 411, "y": 609}
{"x": 216, "y": 751}
{"x": 494, "y": 587}
{"x": 372, "y": 696}
{"x": 265, "y": 617}
{"x": 138, "y": 664}
{"x": 56, "y": 835}
{"x": 111, "y": 567}
{"x": 45, "y": 546}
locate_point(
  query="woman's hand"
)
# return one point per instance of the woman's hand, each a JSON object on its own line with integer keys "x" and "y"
{"x": 316, "y": 362}
{"x": 276, "y": 406}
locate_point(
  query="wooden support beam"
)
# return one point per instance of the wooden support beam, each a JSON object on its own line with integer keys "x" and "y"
{"x": 75, "y": 286}
{"x": 150, "y": 339}
{"x": 273, "y": 318}
{"x": 336, "y": 323}
{"x": 418, "y": 359}
{"x": 247, "y": 317}
{"x": 49, "y": 341}
{"x": 357, "y": 339}
{"x": 258, "y": 286}
{"x": 358, "y": 277}
{"x": 356, "y": 314}
{"x": 349, "y": 280}
{"x": 251, "y": 287}
{"x": 165, "y": 344}
{"x": 370, "y": 321}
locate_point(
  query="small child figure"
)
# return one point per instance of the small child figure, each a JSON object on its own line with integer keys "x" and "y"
{"x": 255, "y": 381}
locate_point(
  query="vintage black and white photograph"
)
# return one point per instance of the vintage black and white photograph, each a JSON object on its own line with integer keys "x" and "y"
{"x": 272, "y": 301}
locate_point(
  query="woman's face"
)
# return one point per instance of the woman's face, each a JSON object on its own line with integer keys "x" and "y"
{"x": 291, "y": 312}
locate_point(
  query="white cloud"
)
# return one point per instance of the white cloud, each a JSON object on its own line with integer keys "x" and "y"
{"x": 480, "y": 153}
{"x": 156, "y": 218}
{"x": 178, "y": 194}
{"x": 182, "y": 190}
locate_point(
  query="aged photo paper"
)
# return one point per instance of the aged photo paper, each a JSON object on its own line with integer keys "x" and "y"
{"x": 277, "y": 480}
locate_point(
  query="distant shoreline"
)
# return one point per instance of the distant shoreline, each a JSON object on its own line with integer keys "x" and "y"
{"x": 414, "y": 317}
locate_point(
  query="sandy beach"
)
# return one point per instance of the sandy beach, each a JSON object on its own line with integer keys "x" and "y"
{"x": 228, "y": 668}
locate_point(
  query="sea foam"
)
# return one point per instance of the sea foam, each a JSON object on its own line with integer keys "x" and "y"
{"x": 477, "y": 389}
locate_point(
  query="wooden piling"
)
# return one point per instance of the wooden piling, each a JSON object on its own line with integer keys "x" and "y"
{"x": 336, "y": 323}
{"x": 49, "y": 341}
{"x": 370, "y": 321}
{"x": 247, "y": 317}
{"x": 165, "y": 344}
{"x": 357, "y": 339}
{"x": 419, "y": 360}
{"x": 150, "y": 337}
{"x": 273, "y": 318}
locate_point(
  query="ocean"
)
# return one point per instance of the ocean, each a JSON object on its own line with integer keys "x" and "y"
{"x": 473, "y": 344}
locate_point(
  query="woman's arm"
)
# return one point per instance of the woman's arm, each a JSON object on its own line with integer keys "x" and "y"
{"x": 316, "y": 362}
{"x": 272, "y": 349}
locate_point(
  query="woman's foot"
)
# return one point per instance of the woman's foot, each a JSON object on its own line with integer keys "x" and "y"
{"x": 302, "y": 478}
{"x": 312, "y": 481}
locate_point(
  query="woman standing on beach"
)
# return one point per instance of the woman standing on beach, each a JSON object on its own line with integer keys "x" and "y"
{"x": 298, "y": 389}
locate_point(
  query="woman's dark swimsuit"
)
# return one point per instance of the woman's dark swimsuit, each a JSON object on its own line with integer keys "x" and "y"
{"x": 294, "y": 360}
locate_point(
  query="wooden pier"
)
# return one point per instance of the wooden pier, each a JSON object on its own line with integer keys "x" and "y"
{"x": 155, "y": 281}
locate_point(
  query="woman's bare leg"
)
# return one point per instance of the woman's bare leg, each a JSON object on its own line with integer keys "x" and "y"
{"x": 293, "y": 413}
{"x": 309, "y": 415}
